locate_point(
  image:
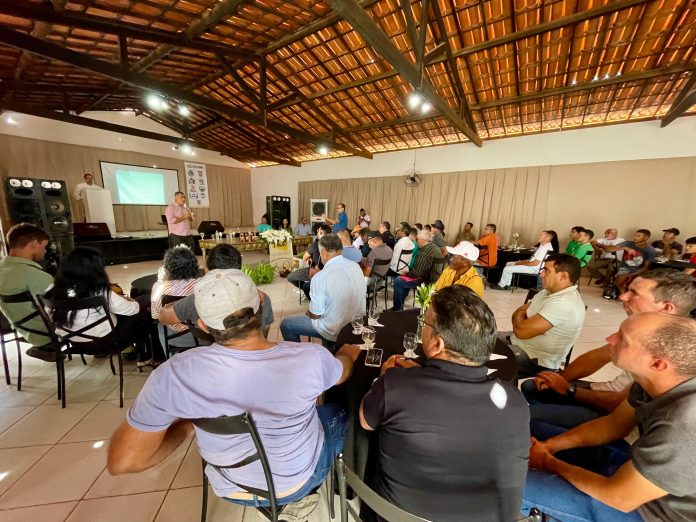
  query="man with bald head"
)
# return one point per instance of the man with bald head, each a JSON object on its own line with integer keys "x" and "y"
{"x": 607, "y": 258}
{"x": 652, "y": 481}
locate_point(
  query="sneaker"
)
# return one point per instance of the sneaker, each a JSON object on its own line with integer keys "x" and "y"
{"x": 498, "y": 287}
{"x": 301, "y": 510}
{"x": 44, "y": 355}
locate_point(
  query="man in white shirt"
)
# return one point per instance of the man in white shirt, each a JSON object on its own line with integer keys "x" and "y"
{"x": 532, "y": 266}
{"x": 87, "y": 184}
{"x": 337, "y": 294}
{"x": 610, "y": 239}
{"x": 303, "y": 228}
{"x": 364, "y": 219}
{"x": 403, "y": 242}
{"x": 545, "y": 329}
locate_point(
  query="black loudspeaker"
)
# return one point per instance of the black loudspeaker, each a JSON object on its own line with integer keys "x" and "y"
{"x": 277, "y": 208}
{"x": 210, "y": 227}
{"x": 43, "y": 203}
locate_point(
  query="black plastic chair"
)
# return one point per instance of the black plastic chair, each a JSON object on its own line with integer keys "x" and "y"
{"x": 6, "y": 328}
{"x": 142, "y": 286}
{"x": 386, "y": 510}
{"x": 378, "y": 287}
{"x": 242, "y": 424}
{"x": 68, "y": 347}
{"x": 170, "y": 334}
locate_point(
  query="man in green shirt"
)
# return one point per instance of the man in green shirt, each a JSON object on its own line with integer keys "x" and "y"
{"x": 574, "y": 239}
{"x": 583, "y": 249}
{"x": 426, "y": 269}
{"x": 20, "y": 272}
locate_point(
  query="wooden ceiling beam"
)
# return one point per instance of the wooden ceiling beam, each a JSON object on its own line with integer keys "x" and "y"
{"x": 86, "y": 62}
{"x": 42, "y": 13}
{"x": 373, "y": 35}
{"x": 575, "y": 18}
{"x": 682, "y": 102}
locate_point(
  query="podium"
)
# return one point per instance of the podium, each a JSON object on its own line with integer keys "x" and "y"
{"x": 99, "y": 208}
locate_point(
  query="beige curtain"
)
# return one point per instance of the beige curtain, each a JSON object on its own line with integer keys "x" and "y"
{"x": 514, "y": 199}
{"x": 230, "y": 188}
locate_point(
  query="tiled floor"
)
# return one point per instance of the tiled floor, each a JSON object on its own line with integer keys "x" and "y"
{"x": 52, "y": 461}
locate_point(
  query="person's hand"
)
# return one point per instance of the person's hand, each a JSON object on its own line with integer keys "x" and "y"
{"x": 313, "y": 272}
{"x": 539, "y": 455}
{"x": 397, "y": 361}
{"x": 631, "y": 251}
{"x": 551, "y": 381}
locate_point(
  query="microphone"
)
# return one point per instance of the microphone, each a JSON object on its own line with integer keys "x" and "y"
{"x": 187, "y": 210}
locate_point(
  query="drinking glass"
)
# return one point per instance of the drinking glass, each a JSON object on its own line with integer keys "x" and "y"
{"x": 368, "y": 336}
{"x": 410, "y": 344}
{"x": 373, "y": 357}
{"x": 357, "y": 322}
{"x": 373, "y": 313}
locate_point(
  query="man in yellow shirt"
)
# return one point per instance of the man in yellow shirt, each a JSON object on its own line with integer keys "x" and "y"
{"x": 461, "y": 269}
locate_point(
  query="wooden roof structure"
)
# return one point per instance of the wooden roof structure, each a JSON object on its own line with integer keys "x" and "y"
{"x": 284, "y": 81}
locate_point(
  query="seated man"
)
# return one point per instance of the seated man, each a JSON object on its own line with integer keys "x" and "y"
{"x": 378, "y": 252}
{"x": 560, "y": 399}
{"x": 583, "y": 247}
{"x": 20, "y": 272}
{"x": 690, "y": 248}
{"x": 637, "y": 254}
{"x": 456, "y": 451}
{"x": 278, "y": 383}
{"x": 355, "y": 234}
{"x": 404, "y": 242}
{"x": 413, "y": 236}
{"x": 438, "y": 231}
{"x": 668, "y": 246}
{"x": 349, "y": 251}
{"x": 545, "y": 329}
{"x": 591, "y": 473}
{"x": 574, "y": 239}
{"x": 337, "y": 294}
{"x": 608, "y": 258}
{"x": 220, "y": 258}
{"x": 461, "y": 270}
{"x": 489, "y": 247}
{"x": 532, "y": 266}
{"x": 467, "y": 234}
{"x": 425, "y": 269}
{"x": 301, "y": 277}
{"x": 303, "y": 228}
{"x": 387, "y": 237}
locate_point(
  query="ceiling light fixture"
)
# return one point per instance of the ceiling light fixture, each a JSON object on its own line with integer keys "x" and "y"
{"x": 414, "y": 100}
{"x": 184, "y": 111}
{"x": 426, "y": 106}
{"x": 186, "y": 148}
{"x": 156, "y": 102}
{"x": 323, "y": 150}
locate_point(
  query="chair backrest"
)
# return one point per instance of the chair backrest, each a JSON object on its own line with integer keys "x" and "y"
{"x": 168, "y": 299}
{"x": 25, "y": 297}
{"x": 379, "y": 505}
{"x": 75, "y": 305}
{"x": 142, "y": 285}
{"x": 239, "y": 425}
{"x": 484, "y": 255}
{"x": 401, "y": 263}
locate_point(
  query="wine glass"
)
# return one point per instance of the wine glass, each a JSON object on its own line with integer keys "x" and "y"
{"x": 372, "y": 314}
{"x": 357, "y": 322}
{"x": 368, "y": 336}
{"x": 410, "y": 344}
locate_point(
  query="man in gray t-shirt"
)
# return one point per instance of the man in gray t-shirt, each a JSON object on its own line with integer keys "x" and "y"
{"x": 656, "y": 480}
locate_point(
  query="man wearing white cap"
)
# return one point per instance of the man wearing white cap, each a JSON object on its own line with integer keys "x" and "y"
{"x": 461, "y": 269}
{"x": 278, "y": 383}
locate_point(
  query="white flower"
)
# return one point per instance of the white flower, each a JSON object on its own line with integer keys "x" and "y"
{"x": 516, "y": 235}
{"x": 276, "y": 237}
{"x": 71, "y": 292}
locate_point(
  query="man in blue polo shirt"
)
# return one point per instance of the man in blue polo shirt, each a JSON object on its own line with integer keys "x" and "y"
{"x": 341, "y": 221}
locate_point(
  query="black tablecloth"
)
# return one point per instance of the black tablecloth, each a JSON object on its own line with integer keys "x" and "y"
{"x": 390, "y": 339}
{"x": 504, "y": 257}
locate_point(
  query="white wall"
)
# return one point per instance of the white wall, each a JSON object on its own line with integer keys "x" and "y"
{"x": 57, "y": 131}
{"x": 634, "y": 141}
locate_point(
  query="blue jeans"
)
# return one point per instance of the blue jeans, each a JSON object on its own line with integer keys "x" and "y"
{"x": 334, "y": 420}
{"x": 295, "y": 325}
{"x": 563, "y": 501}
{"x": 401, "y": 289}
{"x": 550, "y": 407}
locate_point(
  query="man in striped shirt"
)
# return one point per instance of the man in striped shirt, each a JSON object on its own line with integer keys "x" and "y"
{"x": 426, "y": 269}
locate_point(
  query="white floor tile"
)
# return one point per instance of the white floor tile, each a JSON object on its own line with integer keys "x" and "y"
{"x": 45, "y": 513}
{"x": 133, "y": 508}
{"x": 15, "y": 462}
{"x": 100, "y": 423}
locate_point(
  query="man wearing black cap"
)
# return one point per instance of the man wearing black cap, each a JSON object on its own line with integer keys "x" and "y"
{"x": 438, "y": 230}
{"x": 667, "y": 246}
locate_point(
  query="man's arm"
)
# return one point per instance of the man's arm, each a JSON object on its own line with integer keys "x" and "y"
{"x": 587, "y": 364}
{"x": 604, "y": 400}
{"x": 528, "y": 327}
{"x": 132, "y": 450}
{"x": 347, "y": 354}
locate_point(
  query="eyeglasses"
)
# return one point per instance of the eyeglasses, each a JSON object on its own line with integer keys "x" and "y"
{"x": 422, "y": 322}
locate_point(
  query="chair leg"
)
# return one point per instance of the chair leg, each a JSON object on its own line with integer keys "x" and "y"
{"x": 342, "y": 490}
{"x": 19, "y": 365}
{"x": 330, "y": 491}
{"x": 120, "y": 379}
{"x": 82, "y": 356}
{"x": 204, "y": 499}
{"x": 61, "y": 377}
{"x": 5, "y": 364}
{"x": 111, "y": 362}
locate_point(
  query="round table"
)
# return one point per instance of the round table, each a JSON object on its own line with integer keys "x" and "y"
{"x": 390, "y": 339}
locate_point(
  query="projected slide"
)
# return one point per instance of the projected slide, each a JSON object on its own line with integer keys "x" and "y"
{"x": 134, "y": 185}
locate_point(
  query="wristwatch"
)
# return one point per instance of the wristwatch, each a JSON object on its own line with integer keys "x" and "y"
{"x": 570, "y": 392}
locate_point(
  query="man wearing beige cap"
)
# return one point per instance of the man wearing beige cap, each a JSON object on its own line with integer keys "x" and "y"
{"x": 461, "y": 269}
{"x": 278, "y": 383}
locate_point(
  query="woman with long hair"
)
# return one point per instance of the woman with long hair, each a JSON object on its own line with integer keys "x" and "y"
{"x": 81, "y": 274}
{"x": 285, "y": 225}
{"x": 176, "y": 277}
{"x": 548, "y": 242}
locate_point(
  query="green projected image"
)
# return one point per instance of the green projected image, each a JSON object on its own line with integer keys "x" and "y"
{"x": 140, "y": 188}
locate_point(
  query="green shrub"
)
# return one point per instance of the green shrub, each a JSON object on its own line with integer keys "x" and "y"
{"x": 260, "y": 274}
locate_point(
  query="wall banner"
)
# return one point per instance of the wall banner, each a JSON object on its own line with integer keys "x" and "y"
{"x": 196, "y": 185}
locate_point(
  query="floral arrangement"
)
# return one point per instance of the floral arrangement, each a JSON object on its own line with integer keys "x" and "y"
{"x": 516, "y": 236}
{"x": 276, "y": 237}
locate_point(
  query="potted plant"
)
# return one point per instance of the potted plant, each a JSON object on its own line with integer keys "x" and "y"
{"x": 424, "y": 293}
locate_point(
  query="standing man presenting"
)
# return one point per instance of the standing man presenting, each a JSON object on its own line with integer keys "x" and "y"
{"x": 179, "y": 220}
{"x": 341, "y": 221}
{"x": 80, "y": 188}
